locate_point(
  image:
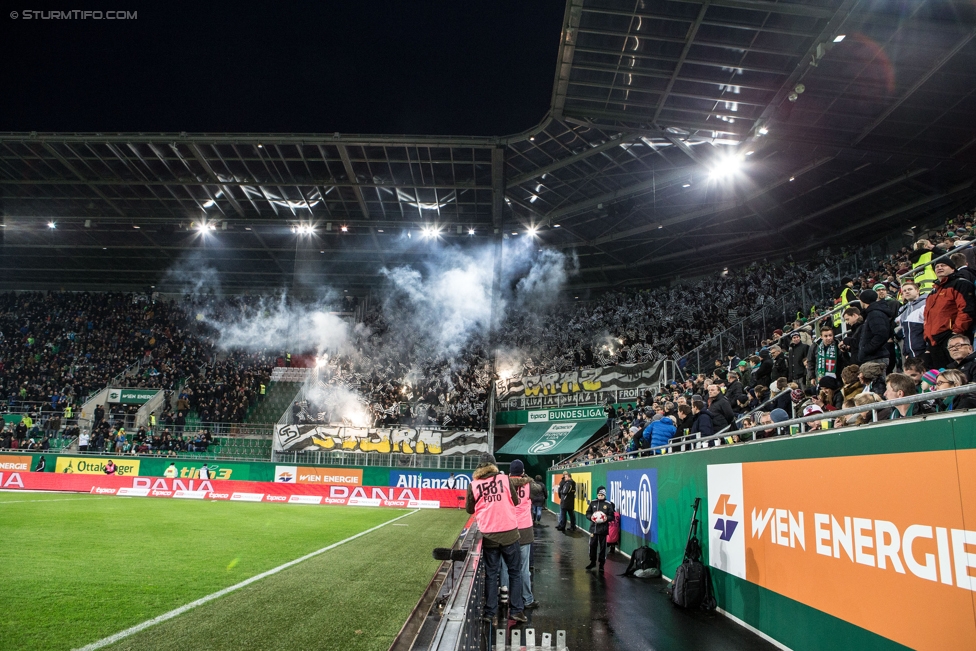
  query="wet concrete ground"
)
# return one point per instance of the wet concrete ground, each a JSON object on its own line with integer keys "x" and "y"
{"x": 617, "y": 613}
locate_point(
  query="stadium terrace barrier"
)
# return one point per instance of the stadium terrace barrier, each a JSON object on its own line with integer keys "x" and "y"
{"x": 461, "y": 628}
{"x": 234, "y": 491}
{"x": 794, "y": 426}
{"x": 844, "y": 539}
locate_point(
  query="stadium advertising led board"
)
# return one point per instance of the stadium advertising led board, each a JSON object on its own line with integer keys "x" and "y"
{"x": 575, "y": 413}
{"x": 218, "y": 470}
{"x": 131, "y": 396}
{"x": 429, "y": 479}
{"x": 123, "y": 467}
{"x": 304, "y": 475}
{"x": 15, "y": 462}
{"x": 237, "y": 491}
{"x": 853, "y": 521}
{"x": 634, "y": 495}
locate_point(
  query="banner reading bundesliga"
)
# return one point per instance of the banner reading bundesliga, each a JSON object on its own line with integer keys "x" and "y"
{"x": 886, "y": 542}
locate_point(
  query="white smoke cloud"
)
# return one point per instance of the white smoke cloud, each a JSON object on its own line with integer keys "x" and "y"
{"x": 280, "y": 324}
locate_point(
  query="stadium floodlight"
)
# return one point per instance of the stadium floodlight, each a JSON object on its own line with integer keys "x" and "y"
{"x": 52, "y": 225}
{"x": 532, "y": 231}
{"x": 839, "y": 38}
{"x": 470, "y": 231}
{"x": 727, "y": 167}
{"x": 344, "y": 229}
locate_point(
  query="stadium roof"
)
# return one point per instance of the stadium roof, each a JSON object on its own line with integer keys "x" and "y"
{"x": 683, "y": 135}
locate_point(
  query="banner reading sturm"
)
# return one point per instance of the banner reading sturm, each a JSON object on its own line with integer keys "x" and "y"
{"x": 886, "y": 542}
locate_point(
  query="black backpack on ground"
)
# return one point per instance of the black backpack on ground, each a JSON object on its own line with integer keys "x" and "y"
{"x": 691, "y": 587}
{"x": 643, "y": 558}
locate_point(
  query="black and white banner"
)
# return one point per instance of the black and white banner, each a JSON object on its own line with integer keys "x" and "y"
{"x": 591, "y": 380}
{"x": 401, "y": 440}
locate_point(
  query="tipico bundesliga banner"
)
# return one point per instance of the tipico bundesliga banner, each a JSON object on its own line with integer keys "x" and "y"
{"x": 886, "y": 542}
{"x": 235, "y": 491}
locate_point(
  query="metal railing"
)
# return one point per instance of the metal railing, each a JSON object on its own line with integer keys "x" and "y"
{"x": 461, "y": 627}
{"x": 779, "y": 429}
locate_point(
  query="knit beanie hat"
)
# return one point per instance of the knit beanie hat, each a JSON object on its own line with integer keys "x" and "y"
{"x": 778, "y": 415}
{"x": 930, "y": 376}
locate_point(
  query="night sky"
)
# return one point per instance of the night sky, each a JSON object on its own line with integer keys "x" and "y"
{"x": 422, "y": 67}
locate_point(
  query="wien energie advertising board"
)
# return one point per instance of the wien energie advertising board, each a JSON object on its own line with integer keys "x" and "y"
{"x": 857, "y": 537}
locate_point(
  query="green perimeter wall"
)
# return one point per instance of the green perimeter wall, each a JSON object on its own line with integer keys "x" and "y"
{"x": 682, "y": 477}
{"x": 239, "y": 470}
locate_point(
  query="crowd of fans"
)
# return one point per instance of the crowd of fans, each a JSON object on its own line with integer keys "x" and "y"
{"x": 58, "y": 348}
{"x": 901, "y": 328}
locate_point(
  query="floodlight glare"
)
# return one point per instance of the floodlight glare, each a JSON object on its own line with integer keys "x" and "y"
{"x": 52, "y": 225}
{"x": 726, "y": 168}
{"x": 470, "y": 231}
{"x": 532, "y": 230}
{"x": 344, "y": 229}
{"x": 839, "y": 38}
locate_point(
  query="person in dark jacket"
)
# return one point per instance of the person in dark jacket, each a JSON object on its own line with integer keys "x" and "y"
{"x": 852, "y": 340}
{"x": 963, "y": 358}
{"x": 798, "y": 354}
{"x": 734, "y": 391}
{"x": 719, "y": 408}
{"x": 599, "y": 530}
{"x": 876, "y": 330}
{"x": 567, "y": 503}
{"x": 948, "y": 380}
{"x": 780, "y": 366}
{"x": 762, "y": 374}
{"x": 890, "y": 304}
{"x": 911, "y": 321}
{"x": 702, "y": 423}
{"x": 537, "y": 493}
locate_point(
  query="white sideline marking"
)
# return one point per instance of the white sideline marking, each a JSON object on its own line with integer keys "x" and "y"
{"x": 112, "y": 639}
{"x": 65, "y": 499}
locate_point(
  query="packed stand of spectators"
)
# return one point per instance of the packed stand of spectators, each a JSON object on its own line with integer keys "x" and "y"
{"x": 902, "y": 328}
{"x": 652, "y": 324}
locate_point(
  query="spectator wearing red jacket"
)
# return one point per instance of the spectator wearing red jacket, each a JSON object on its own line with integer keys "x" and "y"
{"x": 949, "y": 309}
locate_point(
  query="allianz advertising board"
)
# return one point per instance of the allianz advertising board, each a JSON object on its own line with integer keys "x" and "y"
{"x": 634, "y": 494}
{"x": 429, "y": 479}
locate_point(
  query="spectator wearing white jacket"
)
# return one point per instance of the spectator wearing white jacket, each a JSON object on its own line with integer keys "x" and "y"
{"x": 911, "y": 321}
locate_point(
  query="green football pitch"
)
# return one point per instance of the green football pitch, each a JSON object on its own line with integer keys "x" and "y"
{"x": 78, "y": 569}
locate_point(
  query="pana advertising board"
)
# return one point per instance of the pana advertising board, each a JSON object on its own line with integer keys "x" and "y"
{"x": 886, "y": 542}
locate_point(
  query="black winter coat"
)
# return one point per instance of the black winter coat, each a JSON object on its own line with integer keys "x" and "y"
{"x": 733, "y": 392}
{"x": 874, "y": 333}
{"x": 567, "y": 493}
{"x": 798, "y": 353}
{"x": 602, "y": 528}
{"x": 780, "y": 368}
{"x": 721, "y": 412}
{"x": 762, "y": 374}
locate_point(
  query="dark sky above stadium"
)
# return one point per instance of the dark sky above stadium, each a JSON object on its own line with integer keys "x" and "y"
{"x": 428, "y": 67}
